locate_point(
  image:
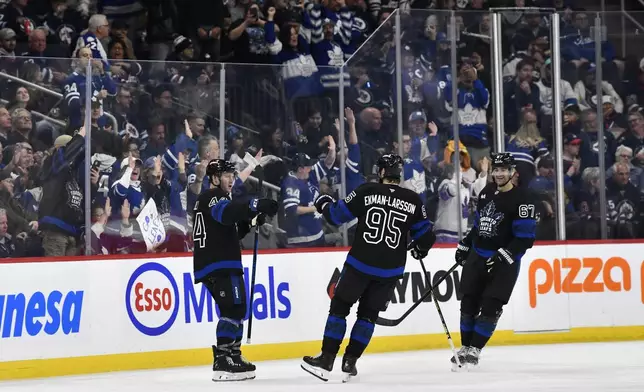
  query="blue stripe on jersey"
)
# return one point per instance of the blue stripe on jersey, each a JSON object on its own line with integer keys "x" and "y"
{"x": 374, "y": 271}
{"x": 340, "y": 213}
{"x": 420, "y": 228}
{"x": 484, "y": 252}
{"x": 218, "y": 265}
{"x": 524, "y": 228}
{"x": 217, "y": 210}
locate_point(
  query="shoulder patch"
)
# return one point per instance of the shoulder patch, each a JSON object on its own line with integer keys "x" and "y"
{"x": 213, "y": 201}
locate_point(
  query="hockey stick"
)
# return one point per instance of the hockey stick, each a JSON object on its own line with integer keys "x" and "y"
{"x": 392, "y": 323}
{"x": 440, "y": 314}
{"x": 260, "y": 178}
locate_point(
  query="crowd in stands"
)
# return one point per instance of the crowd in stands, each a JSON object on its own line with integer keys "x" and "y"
{"x": 157, "y": 98}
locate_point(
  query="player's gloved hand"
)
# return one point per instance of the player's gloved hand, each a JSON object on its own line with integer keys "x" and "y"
{"x": 259, "y": 220}
{"x": 417, "y": 251}
{"x": 502, "y": 256}
{"x": 266, "y": 206}
{"x": 321, "y": 201}
{"x": 461, "y": 254}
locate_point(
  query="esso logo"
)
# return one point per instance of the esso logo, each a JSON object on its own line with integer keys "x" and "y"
{"x": 152, "y": 299}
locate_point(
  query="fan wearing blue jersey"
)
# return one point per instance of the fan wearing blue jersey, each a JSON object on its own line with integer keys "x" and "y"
{"x": 471, "y": 104}
{"x": 299, "y": 190}
{"x": 98, "y": 28}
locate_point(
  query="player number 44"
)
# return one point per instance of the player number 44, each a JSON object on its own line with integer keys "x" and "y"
{"x": 383, "y": 225}
{"x": 526, "y": 211}
{"x": 199, "y": 231}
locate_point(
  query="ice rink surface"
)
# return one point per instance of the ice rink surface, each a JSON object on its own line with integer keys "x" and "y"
{"x": 609, "y": 367}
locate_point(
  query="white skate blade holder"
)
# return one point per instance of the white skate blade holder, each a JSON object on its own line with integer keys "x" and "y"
{"x": 219, "y": 376}
{"x": 347, "y": 377}
{"x": 315, "y": 371}
{"x": 465, "y": 367}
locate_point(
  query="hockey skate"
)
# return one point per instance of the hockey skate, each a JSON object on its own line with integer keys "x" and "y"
{"x": 472, "y": 358}
{"x": 461, "y": 353}
{"x": 225, "y": 369}
{"x": 248, "y": 366}
{"x": 349, "y": 368}
{"x": 319, "y": 366}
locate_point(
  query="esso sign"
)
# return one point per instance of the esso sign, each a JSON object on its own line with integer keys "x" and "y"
{"x": 149, "y": 299}
{"x": 152, "y": 299}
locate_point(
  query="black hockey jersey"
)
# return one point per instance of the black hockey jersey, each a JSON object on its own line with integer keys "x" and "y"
{"x": 503, "y": 220}
{"x": 386, "y": 213}
{"x": 218, "y": 225}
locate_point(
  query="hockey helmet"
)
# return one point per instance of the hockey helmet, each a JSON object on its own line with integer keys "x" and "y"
{"x": 302, "y": 160}
{"x": 503, "y": 159}
{"x": 217, "y": 167}
{"x": 392, "y": 165}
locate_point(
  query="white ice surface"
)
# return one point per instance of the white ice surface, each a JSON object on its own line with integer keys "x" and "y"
{"x": 566, "y": 367}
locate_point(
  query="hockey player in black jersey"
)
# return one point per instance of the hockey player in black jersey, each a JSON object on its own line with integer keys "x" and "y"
{"x": 386, "y": 213}
{"x": 219, "y": 224}
{"x": 504, "y": 229}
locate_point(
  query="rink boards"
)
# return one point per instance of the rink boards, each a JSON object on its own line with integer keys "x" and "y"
{"x": 73, "y": 317}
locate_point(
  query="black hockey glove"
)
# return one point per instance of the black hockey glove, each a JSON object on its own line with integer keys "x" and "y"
{"x": 462, "y": 251}
{"x": 321, "y": 201}
{"x": 417, "y": 251}
{"x": 266, "y": 206}
{"x": 259, "y": 220}
{"x": 501, "y": 256}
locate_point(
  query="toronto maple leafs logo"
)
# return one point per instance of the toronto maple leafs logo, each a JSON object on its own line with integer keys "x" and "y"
{"x": 489, "y": 220}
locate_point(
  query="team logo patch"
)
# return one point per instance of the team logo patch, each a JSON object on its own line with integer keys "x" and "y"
{"x": 489, "y": 221}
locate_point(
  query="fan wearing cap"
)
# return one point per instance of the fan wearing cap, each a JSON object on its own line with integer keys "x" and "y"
{"x": 219, "y": 224}
{"x": 504, "y": 229}
{"x": 586, "y": 90}
{"x": 568, "y": 96}
{"x": 571, "y": 161}
{"x": 300, "y": 188}
{"x": 61, "y": 211}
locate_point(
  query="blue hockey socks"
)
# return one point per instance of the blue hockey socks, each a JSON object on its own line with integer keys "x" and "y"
{"x": 228, "y": 333}
{"x": 334, "y": 332}
{"x": 467, "y": 329}
{"x": 360, "y": 337}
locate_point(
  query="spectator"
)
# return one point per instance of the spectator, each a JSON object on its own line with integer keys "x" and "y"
{"x": 126, "y": 71}
{"x": 375, "y": 139}
{"x": 299, "y": 190}
{"x": 299, "y": 71}
{"x": 623, "y": 203}
{"x": 248, "y": 37}
{"x": 446, "y": 225}
{"x": 590, "y": 137}
{"x": 413, "y": 170}
{"x": 520, "y": 93}
{"x": 156, "y": 139}
{"x": 568, "y": 96}
{"x": 586, "y": 90}
{"x": 624, "y": 155}
{"x": 206, "y": 24}
{"x": 16, "y": 17}
{"x": 472, "y": 102}
{"x": 61, "y": 213}
{"x": 7, "y": 246}
{"x": 40, "y": 54}
{"x": 63, "y": 23}
{"x": 634, "y": 137}
{"x": 526, "y": 146}
{"x": 586, "y": 203}
{"x": 8, "y": 62}
{"x": 5, "y": 125}
{"x": 75, "y": 87}
{"x": 570, "y": 155}
{"x": 98, "y": 29}
{"x": 19, "y": 220}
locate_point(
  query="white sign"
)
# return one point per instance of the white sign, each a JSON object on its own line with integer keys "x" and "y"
{"x": 151, "y": 225}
